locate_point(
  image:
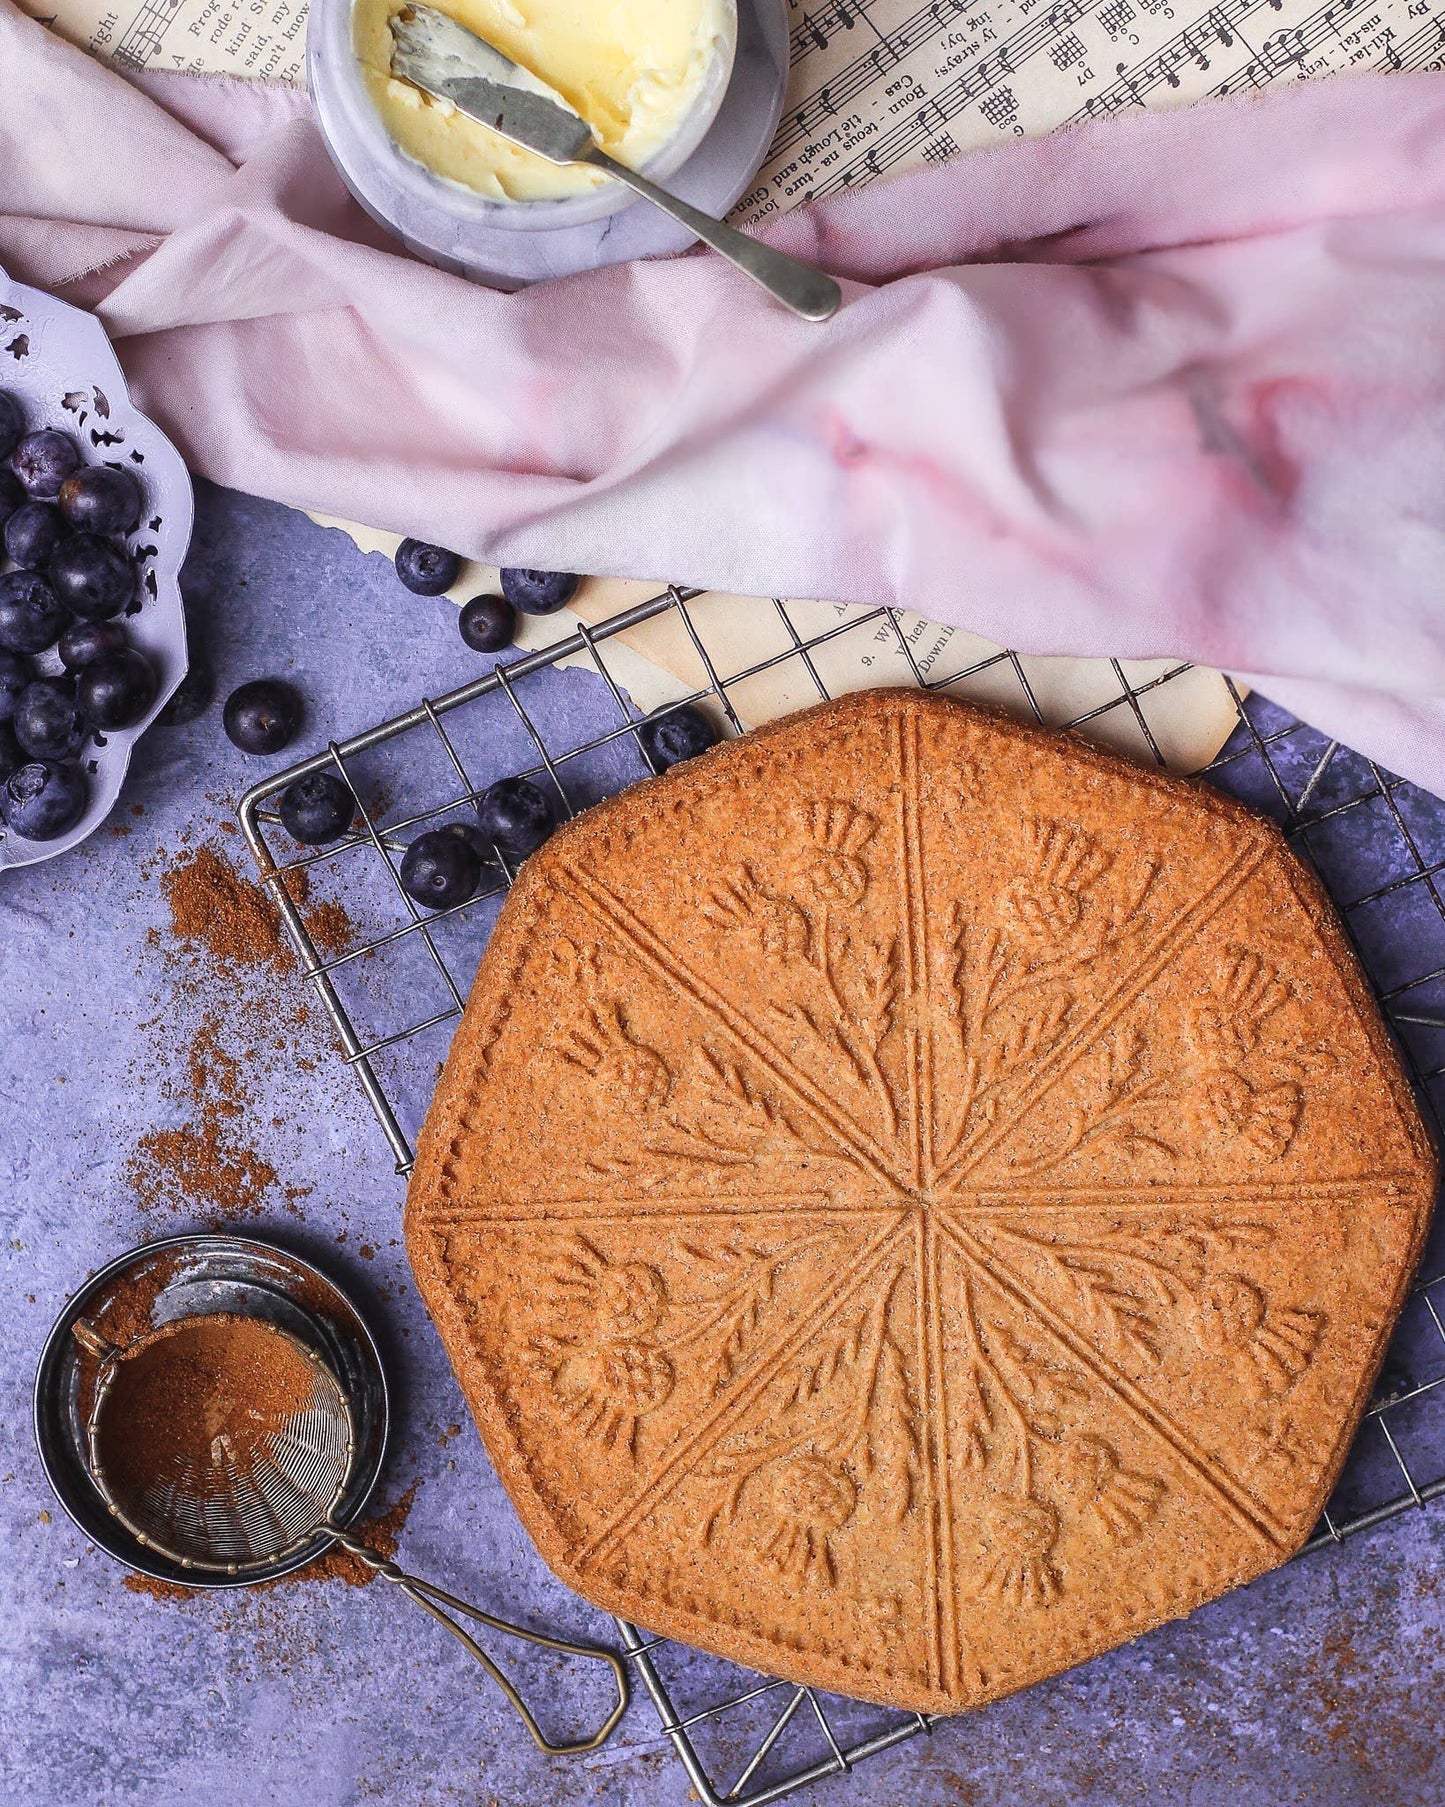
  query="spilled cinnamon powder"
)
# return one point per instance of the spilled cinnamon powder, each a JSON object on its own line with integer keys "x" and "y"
{"x": 213, "y": 907}
{"x": 227, "y": 937}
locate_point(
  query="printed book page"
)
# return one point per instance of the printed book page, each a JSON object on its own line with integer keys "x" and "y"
{"x": 1145, "y": 709}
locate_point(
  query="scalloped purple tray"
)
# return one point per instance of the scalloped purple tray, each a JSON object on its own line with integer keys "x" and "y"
{"x": 58, "y": 361}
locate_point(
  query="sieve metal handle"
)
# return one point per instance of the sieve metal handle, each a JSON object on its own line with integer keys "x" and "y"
{"x": 432, "y": 1599}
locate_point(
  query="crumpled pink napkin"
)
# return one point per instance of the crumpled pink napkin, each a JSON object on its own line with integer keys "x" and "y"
{"x": 1170, "y": 384}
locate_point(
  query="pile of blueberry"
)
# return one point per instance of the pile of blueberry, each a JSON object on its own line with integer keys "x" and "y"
{"x": 64, "y": 524}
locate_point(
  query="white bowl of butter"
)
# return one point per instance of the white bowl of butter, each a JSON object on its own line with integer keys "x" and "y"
{"x": 647, "y": 75}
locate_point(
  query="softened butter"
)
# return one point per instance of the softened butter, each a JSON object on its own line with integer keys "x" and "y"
{"x": 631, "y": 68}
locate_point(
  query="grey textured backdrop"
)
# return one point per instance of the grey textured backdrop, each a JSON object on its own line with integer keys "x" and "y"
{"x": 1323, "y": 1684}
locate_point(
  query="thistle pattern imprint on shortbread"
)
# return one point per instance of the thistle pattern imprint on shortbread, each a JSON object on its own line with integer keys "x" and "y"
{"x": 971, "y": 1140}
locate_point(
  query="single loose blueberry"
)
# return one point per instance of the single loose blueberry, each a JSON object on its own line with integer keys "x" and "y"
{"x": 99, "y": 498}
{"x": 191, "y": 698}
{"x": 48, "y": 721}
{"x": 440, "y": 869}
{"x": 42, "y": 461}
{"x": 12, "y": 494}
{"x": 15, "y": 674}
{"x": 317, "y": 808}
{"x": 83, "y": 641}
{"x": 539, "y": 592}
{"x": 115, "y": 690}
{"x": 12, "y": 754}
{"x": 12, "y": 423}
{"x": 515, "y": 815}
{"x": 262, "y": 716}
{"x": 92, "y": 576}
{"x": 31, "y": 614}
{"x": 426, "y": 570}
{"x": 487, "y": 623}
{"x": 33, "y": 534}
{"x": 681, "y": 734}
{"x": 39, "y": 801}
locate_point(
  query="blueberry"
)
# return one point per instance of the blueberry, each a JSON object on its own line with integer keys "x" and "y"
{"x": 48, "y": 722}
{"x": 191, "y": 698}
{"x": 515, "y": 815}
{"x": 42, "y": 461}
{"x": 83, "y": 641}
{"x": 101, "y": 499}
{"x": 262, "y": 716}
{"x": 93, "y": 577}
{"x": 681, "y": 734}
{"x": 15, "y": 674}
{"x": 426, "y": 570}
{"x": 31, "y": 614}
{"x": 317, "y": 808}
{"x": 115, "y": 690}
{"x": 33, "y": 534}
{"x": 12, "y": 754}
{"x": 440, "y": 869}
{"x": 539, "y": 592}
{"x": 487, "y": 623}
{"x": 12, "y": 423}
{"x": 474, "y": 838}
{"x": 12, "y": 494}
{"x": 41, "y": 800}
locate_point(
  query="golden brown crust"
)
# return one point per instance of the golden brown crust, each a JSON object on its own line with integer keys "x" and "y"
{"x": 914, "y": 1201}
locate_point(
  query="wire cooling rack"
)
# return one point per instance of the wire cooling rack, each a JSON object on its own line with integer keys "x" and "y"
{"x": 394, "y": 979}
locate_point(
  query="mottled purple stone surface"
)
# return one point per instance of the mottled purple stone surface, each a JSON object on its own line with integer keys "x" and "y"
{"x": 1322, "y": 1685}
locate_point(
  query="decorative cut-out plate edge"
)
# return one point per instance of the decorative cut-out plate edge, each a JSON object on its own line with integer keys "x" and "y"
{"x": 60, "y": 363}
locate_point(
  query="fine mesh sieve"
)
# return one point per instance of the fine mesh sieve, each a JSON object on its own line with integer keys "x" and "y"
{"x": 235, "y": 1495}
{"x": 226, "y": 1447}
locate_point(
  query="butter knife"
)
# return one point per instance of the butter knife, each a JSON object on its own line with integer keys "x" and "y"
{"x": 444, "y": 59}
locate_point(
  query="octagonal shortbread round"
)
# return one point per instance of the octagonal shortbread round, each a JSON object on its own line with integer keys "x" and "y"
{"x": 914, "y": 1202}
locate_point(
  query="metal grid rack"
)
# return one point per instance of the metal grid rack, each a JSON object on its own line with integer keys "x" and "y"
{"x": 1386, "y": 872}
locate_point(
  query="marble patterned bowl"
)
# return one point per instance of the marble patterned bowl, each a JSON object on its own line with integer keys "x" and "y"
{"x": 57, "y": 360}
{"x": 460, "y": 231}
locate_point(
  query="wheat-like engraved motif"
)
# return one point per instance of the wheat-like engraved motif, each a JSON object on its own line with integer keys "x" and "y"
{"x": 1250, "y": 1083}
{"x": 626, "y": 1066}
{"x": 843, "y": 1425}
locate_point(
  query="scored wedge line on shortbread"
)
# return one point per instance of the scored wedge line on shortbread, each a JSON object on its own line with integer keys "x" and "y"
{"x": 652, "y": 954}
{"x": 715, "y": 1419}
{"x": 1231, "y": 1493}
{"x": 1052, "y": 1068}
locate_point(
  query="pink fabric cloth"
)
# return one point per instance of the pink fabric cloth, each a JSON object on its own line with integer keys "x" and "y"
{"x": 1171, "y": 384}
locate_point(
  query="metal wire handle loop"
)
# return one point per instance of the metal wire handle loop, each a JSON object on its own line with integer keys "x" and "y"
{"x": 427, "y": 1595}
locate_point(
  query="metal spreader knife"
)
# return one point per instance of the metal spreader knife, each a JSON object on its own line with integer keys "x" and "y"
{"x": 444, "y": 59}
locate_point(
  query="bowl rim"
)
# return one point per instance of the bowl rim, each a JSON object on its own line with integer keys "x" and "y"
{"x": 342, "y": 99}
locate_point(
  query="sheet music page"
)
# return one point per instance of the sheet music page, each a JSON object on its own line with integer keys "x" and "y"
{"x": 880, "y": 86}
{"x": 265, "y": 39}
{"x": 1146, "y": 709}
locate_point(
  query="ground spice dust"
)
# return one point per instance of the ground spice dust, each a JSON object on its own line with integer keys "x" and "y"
{"x": 224, "y": 927}
{"x": 200, "y": 1406}
{"x": 212, "y": 906}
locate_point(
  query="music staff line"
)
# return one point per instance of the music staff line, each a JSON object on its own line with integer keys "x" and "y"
{"x": 972, "y": 83}
{"x": 1197, "y": 47}
{"x": 921, "y": 30}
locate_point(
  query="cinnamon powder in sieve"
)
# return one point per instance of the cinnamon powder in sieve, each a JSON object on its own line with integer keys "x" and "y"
{"x": 198, "y": 1406}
